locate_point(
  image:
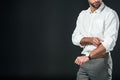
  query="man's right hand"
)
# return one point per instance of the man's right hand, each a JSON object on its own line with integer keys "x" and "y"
{"x": 96, "y": 41}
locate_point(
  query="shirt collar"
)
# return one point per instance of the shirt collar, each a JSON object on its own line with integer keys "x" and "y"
{"x": 102, "y": 6}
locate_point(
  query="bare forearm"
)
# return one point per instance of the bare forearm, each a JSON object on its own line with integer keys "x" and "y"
{"x": 99, "y": 52}
{"x": 86, "y": 41}
{"x": 91, "y": 41}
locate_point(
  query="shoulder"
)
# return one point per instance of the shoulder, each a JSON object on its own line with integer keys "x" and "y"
{"x": 110, "y": 15}
{"x": 110, "y": 12}
{"x": 82, "y": 13}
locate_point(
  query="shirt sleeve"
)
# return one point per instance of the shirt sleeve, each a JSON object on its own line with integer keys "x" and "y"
{"x": 111, "y": 31}
{"x": 77, "y": 36}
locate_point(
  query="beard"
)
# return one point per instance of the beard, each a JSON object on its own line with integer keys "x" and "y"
{"x": 95, "y": 4}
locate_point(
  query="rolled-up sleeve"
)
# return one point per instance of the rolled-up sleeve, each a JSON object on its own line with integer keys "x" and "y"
{"x": 77, "y": 36}
{"x": 111, "y": 31}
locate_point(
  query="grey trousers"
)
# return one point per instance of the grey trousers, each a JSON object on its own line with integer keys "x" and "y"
{"x": 95, "y": 69}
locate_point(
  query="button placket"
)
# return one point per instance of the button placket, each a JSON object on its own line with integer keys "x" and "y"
{"x": 91, "y": 23}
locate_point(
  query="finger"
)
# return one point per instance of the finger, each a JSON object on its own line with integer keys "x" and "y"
{"x": 94, "y": 44}
{"x": 100, "y": 40}
{"x": 97, "y": 41}
{"x": 84, "y": 60}
{"x": 77, "y": 61}
{"x": 80, "y": 61}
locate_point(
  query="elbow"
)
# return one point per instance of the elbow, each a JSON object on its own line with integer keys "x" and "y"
{"x": 75, "y": 42}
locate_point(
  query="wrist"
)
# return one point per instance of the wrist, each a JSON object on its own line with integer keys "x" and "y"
{"x": 89, "y": 57}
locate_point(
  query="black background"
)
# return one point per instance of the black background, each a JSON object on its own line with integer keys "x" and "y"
{"x": 36, "y": 39}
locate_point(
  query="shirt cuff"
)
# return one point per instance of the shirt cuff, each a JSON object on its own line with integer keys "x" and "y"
{"x": 80, "y": 40}
{"x": 106, "y": 46}
{"x": 86, "y": 53}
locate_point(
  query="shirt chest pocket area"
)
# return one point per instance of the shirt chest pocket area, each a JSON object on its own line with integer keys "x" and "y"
{"x": 98, "y": 26}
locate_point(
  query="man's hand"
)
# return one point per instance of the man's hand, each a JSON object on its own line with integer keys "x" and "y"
{"x": 96, "y": 41}
{"x": 80, "y": 60}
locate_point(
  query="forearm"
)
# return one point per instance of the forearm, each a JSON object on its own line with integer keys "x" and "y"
{"x": 86, "y": 41}
{"x": 99, "y": 52}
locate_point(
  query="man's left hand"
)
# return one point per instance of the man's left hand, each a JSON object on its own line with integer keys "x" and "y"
{"x": 80, "y": 60}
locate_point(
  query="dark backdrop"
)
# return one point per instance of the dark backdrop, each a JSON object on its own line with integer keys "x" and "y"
{"x": 36, "y": 39}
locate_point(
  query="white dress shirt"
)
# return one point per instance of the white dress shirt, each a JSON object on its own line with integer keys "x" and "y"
{"x": 102, "y": 23}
